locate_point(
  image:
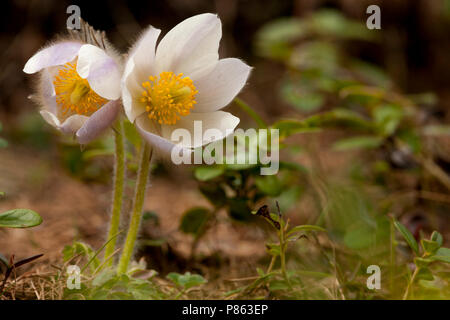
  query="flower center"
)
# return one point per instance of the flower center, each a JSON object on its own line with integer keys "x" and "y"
{"x": 168, "y": 97}
{"x": 73, "y": 93}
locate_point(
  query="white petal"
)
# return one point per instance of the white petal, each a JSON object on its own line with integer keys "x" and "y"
{"x": 98, "y": 122}
{"x": 50, "y": 118}
{"x": 53, "y": 55}
{"x": 138, "y": 67}
{"x": 218, "y": 88}
{"x": 143, "y": 53}
{"x": 101, "y": 71}
{"x": 149, "y": 132}
{"x": 131, "y": 94}
{"x": 191, "y": 47}
{"x": 222, "y": 121}
{"x": 47, "y": 91}
{"x": 73, "y": 123}
{"x": 87, "y": 56}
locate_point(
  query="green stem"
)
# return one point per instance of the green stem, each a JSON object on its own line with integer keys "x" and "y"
{"x": 245, "y": 107}
{"x": 392, "y": 255}
{"x": 119, "y": 176}
{"x": 136, "y": 215}
{"x": 272, "y": 262}
{"x": 283, "y": 248}
{"x": 410, "y": 283}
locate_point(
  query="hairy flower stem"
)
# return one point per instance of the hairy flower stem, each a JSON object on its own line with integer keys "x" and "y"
{"x": 136, "y": 215}
{"x": 119, "y": 176}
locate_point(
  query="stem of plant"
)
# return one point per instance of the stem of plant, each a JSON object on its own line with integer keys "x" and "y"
{"x": 410, "y": 283}
{"x": 272, "y": 262}
{"x": 392, "y": 253}
{"x": 247, "y": 109}
{"x": 119, "y": 177}
{"x": 136, "y": 215}
{"x": 283, "y": 247}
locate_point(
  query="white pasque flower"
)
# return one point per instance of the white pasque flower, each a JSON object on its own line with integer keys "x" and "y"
{"x": 180, "y": 82}
{"x": 79, "y": 87}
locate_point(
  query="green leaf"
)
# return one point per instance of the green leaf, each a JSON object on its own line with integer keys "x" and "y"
{"x": 407, "y": 236}
{"x": 74, "y": 249}
{"x": 206, "y": 173}
{"x": 239, "y": 167}
{"x": 289, "y": 127}
{"x": 421, "y": 262}
{"x": 371, "y": 73}
{"x": 80, "y": 248}
{"x": 364, "y": 91}
{"x": 304, "y": 101}
{"x": 260, "y": 272}
{"x": 273, "y": 249}
{"x": 359, "y": 142}
{"x": 338, "y": 118}
{"x": 283, "y": 29}
{"x": 387, "y": 118}
{"x": 20, "y": 218}
{"x": 194, "y": 220}
{"x": 102, "y": 277}
{"x": 429, "y": 246}
{"x": 273, "y": 39}
{"x": 275, "y": 285}
{"x": 143, "y": 290}
{"x": 319, "y": 58}
{"x": 443, "y": 255}
{"x": 437, "y": 237}
{"x": 332, "y": 23}
{"x": 425, "y": 274}
{"x": 186, "y": 280}
{"x": 305, "y": 228}
{"x": 118, "y": 295}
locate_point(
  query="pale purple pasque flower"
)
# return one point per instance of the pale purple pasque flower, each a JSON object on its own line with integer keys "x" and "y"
{"x": 182, "y": 80}
{"x": 79, "y": 87}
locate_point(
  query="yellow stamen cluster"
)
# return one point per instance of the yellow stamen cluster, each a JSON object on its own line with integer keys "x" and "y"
{"x": 73, "y": 93}
{"x": 168, "y": 97}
